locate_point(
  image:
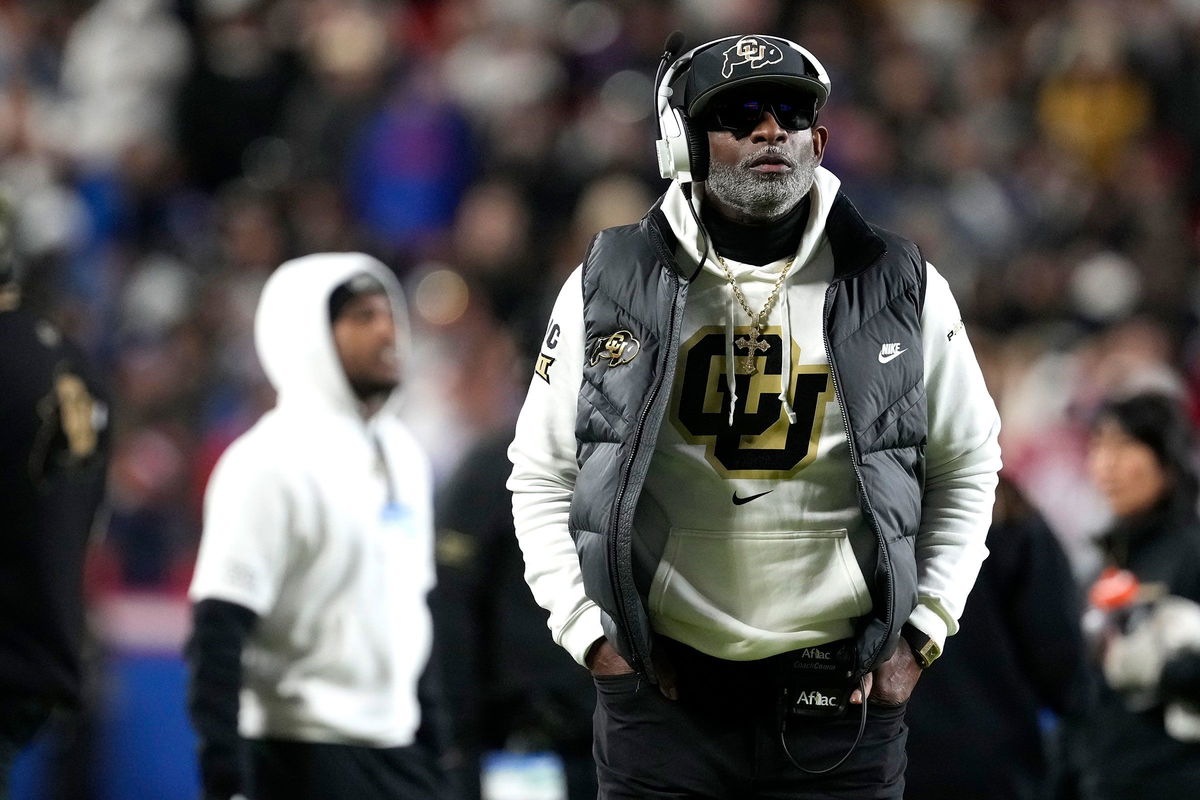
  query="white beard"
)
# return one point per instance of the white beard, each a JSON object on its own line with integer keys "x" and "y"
{"x": 763, "y": 197}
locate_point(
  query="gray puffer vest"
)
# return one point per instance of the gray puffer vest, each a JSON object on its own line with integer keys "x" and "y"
{"x": 632, "y": 282}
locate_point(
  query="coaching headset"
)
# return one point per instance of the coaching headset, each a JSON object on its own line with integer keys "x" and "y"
{"x": 721, "y": 64}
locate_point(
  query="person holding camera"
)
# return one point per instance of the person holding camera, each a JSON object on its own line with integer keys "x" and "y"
{"x": 1145, "y": 732}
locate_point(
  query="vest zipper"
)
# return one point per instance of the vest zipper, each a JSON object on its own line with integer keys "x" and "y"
{"x": 640, "y": 660}
{"x": 890, "y": 609}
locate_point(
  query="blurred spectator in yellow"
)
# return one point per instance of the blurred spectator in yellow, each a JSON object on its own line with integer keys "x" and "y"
{"x": 1092, "y": 106}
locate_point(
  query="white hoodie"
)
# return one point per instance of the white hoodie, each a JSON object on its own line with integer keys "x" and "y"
{"x": 320, "y": 522}
{"x": 756, "y": 531}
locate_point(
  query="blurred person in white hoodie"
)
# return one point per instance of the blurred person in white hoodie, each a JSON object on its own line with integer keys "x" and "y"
{"x": 754, "y": 471}
{"x": 316, "y": 560}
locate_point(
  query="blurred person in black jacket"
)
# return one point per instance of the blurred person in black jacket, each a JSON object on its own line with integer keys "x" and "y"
{"x": 508, "y": 686}
{"x": 1140, "y": 456}
{"x": 53, "y": 446}
{"x": 974, "y": 731}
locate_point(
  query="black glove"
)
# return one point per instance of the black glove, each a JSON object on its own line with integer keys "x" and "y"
{"x": 220, "y": 770}
{"x": 1180, "y": 678}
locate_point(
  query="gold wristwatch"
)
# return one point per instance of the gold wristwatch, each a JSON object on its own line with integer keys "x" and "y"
{"x": 924, "y": 649}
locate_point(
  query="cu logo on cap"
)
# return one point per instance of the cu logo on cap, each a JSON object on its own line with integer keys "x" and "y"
{"x": 619, "y": 348}
{"x": 752, "y": 51}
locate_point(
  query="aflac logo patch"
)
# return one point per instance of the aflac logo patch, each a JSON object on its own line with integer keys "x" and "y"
{"x": 815, "y": 699}
{"x": 753, "y": 51}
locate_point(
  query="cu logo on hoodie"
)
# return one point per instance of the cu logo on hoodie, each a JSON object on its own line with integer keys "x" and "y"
{"x": 617, "y": 349}
{"x": 762, "y": 442}
{"x": 752, "y": 51}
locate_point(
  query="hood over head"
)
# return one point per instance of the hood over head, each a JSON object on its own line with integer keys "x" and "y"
{"x": 294, "y": 335}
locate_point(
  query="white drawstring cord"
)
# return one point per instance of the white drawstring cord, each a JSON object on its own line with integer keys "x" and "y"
{"x": 730, "y": 359}
{"x": 785, "y": 389}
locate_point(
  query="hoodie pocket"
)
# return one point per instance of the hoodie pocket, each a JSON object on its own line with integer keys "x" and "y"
{"x": 778, "y": 581}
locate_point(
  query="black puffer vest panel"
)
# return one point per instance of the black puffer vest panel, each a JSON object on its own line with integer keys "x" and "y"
{"x": 634, "y": 294}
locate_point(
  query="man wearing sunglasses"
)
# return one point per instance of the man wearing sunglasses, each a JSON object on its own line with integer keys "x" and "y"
{"x": 754, "y": 471}
{"x": 763, "y": 152}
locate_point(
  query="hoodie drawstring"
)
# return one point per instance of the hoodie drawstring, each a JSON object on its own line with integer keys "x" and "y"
{"x": 785, "y": 380}
{"x": 730, "y": 359}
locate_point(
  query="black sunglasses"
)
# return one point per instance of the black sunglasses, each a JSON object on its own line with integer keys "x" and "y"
{"x": 740, "y": 114}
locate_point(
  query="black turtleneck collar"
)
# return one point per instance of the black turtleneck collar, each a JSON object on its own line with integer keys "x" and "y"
{"x": 1135, "y": 532}
{"x": 757, "y": 244}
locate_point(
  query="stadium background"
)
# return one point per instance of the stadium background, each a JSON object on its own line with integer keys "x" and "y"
{"x": 165, "y": 155}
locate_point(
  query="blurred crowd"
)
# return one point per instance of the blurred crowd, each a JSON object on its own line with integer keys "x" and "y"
{"x": 165, "y": 155}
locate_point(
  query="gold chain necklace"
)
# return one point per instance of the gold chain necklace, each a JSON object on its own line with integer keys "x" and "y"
{"x": 755, "y": 344}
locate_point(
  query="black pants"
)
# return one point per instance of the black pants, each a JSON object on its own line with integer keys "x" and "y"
{"x": 20, "y": 720}
{"x": 291, "y": 770}
{"x": 721, "y": 739}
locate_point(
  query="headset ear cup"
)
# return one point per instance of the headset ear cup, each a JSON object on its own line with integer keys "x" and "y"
{"x": 697, "y": 142}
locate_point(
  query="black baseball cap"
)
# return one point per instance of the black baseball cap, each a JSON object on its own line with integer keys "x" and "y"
{"x": 356, "y": 286}
{"x": 740, "y": 60}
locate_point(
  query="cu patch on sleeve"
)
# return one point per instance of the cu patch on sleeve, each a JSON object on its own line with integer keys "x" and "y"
{"x": 542, "y": 368}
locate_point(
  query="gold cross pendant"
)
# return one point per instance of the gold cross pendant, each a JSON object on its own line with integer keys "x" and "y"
{"x": 753, "y": 344}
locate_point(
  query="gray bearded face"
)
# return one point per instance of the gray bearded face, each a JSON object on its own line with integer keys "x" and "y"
{"x": 766, "y": 196}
